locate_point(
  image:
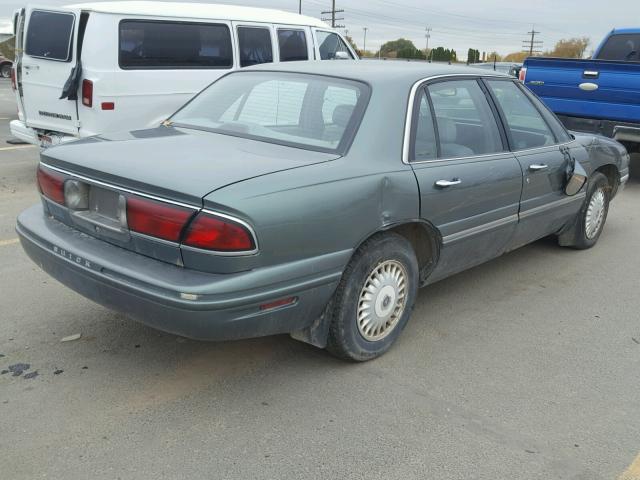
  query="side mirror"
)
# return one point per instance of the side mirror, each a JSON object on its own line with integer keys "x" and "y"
{"x": 577, "y": 180}
{"x": 342, "y": 56}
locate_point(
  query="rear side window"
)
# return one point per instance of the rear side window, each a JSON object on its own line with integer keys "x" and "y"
{"x": 330, "y": 44}
{"x": 255, "y": 46}
{"x": 526, "y": 126}
{"x": 293, "y": 45}
{"x": 174, "y": 45}
{"x": 622, "y": 47}
{"x": 465, "y": 122}
{"x": 425, "y": 145}
{"x": 49, "y": 35}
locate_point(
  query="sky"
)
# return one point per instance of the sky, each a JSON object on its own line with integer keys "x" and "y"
{"x": 486, "y": 25}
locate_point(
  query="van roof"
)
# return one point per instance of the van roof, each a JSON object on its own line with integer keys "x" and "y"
{"x": 207, "y": 11}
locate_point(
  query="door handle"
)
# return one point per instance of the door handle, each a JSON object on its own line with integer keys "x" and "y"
{"x": 31, "y": 67}
{"x": 448, "y": 183}
{"x": 536, "y": 167}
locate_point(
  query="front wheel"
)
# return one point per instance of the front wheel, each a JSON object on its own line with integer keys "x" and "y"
{"x": 592, "y": 215}
{"x": 374, "y": 299}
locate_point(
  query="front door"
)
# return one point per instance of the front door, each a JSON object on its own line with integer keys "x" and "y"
{"x": 470, "y": 185}
{"x": 544, "y": 152}
{"x": 49, "y": 56}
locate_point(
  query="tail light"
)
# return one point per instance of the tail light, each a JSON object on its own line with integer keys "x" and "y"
{"x": 51, "y": 185}
{"x": 14, "y": 84}
{"x": 218, "y": 233}
{"x": 87, "y": 93}
{"x": 156, "y": 219}
{"x": 523, "y": 74}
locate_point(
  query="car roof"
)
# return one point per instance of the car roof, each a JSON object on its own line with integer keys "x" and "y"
{"x": 208, "y": 11}
{"x": 377, "y": 71}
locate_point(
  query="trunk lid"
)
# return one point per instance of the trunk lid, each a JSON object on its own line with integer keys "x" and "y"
{"x": 176, "y": 164}
{"x": 49, "y": 54}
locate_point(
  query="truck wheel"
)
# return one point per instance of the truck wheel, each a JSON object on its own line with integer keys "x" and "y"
{"x": 593, "y": 214}
{"x": 5, "y": 70}
{"x": 374, "y": 299}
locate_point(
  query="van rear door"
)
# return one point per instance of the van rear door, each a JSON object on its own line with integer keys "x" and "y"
{"x": 49, "y": 55}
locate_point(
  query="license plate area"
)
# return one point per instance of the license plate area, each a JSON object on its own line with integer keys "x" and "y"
{"x": 106, "y": 214}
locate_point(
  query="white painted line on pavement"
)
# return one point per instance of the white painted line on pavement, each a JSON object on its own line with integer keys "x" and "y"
{"x": 17, "y": 147}
{"x": 11, "y": 241}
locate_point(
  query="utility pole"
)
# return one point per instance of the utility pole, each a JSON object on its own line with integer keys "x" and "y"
{"x": 532, "y": 45}
{"x": 333, "y": 18}
{"x": 427, "y": 36}
{"x": 364, "y": 44}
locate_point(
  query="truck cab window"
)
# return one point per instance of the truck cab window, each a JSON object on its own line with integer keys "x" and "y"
{"x": 49, "y": 35}
{"x": 621, "y": 47}
{"x": 330, "y": 44}
{"x": 255, "y": 46}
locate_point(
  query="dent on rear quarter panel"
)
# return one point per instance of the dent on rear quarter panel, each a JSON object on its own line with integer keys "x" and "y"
{"x": 320, "y": 209}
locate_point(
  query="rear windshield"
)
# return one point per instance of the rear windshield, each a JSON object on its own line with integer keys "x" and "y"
{"x": 174, "y": 45}
{"x": 622, "y": 47}
{"x": 49, "y": 35}
{"x": 306, "y": 111}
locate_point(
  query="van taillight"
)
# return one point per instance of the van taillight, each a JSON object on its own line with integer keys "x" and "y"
{"x": 51, "y": 185}
{"x": 157, "y": 219}
{"x": 218, "y": 233}
{"x": 87, "y": 93}
{"x": 14, "y": 84}
{"x": 523, "y": 74}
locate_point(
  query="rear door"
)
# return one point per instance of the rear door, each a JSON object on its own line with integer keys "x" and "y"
{"x": 49, "y": 56}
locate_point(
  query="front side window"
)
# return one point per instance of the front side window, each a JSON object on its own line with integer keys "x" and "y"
{"x": 148, "y": 44}
{"x": 330, "y": 44}
{"x": 49, "y": 35}
{"x": 306, "y": 111}
{"x": 293, "y": 45}
{"x": 525, "y": 125}
{"x": 465, "y": 122}
{"x": 621, "y": 47}
{"x": 255, "y": 46}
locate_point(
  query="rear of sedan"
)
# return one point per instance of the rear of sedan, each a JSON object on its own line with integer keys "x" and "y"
{"x": 129, "y": 222}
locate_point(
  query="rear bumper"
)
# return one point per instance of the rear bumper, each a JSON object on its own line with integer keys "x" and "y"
{"x": 215, "y": 307}
{"x": 30, "y": 135}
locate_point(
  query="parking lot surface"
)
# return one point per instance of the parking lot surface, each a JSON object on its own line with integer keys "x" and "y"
{"x": 525, "y": 367}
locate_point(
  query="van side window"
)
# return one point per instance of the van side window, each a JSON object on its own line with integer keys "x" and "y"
{"x": 150, "y": 44}
{"x": 330, "y": 44}
{"x": 49, "y": 35}
{"x": 255, "y": 46}
{"x": 293, "y": 45}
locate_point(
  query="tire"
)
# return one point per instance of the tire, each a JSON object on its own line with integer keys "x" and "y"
{"x": 364, "y": 327}
{"x": 593, "y": 214}
{"x": 5, "y": 70}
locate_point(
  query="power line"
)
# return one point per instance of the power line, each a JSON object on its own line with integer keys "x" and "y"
{"x": 333, "y": 12}
{"x": 533, "y": 45}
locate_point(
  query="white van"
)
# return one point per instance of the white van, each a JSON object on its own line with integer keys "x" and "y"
{"x": 93, "y": 68}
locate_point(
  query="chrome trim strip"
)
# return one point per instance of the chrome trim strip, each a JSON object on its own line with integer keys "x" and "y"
{"x": 164, "y": 200}
{"x": 624, "y": 178}
{"x": 479, "y": 229}
{"x": 549, "y": 206}
{"x": 406, "y": 142}
{"x": 120, "y": 189}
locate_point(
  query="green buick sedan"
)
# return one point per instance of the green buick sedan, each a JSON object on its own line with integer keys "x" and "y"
{"x": 314, "y": 200}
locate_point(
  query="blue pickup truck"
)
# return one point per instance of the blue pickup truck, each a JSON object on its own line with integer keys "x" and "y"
{"x": 599, "y": 95}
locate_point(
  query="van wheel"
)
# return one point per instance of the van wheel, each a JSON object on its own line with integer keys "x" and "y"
{"x": 374, "y": 299}
{"x": 5, "y": 70}
{"x": 592, "y": 216}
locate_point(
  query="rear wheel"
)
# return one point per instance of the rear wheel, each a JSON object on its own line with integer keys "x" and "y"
{"x": 374, "y": 299}
{"x": 5, "y": 70}
{"x": 593, "y": 214}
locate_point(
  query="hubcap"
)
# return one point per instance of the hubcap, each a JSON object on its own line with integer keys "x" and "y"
{"x": 595, "y": 213}
{"x": 382, "y": 300}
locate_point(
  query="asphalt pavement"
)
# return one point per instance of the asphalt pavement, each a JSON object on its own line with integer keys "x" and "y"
{"x": 525, "y": 367}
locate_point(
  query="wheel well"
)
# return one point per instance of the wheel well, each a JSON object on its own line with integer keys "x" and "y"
{"x": 425, "y": 242}
{"x": 612, "y": 174}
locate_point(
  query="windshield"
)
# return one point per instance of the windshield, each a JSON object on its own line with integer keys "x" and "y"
{"x": 621, "y": 47}
{"x": 306, "y": 111}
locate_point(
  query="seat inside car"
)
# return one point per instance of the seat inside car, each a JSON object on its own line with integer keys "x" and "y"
{"x": 339, "y": 121}
{"x": 448, "y": 132}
